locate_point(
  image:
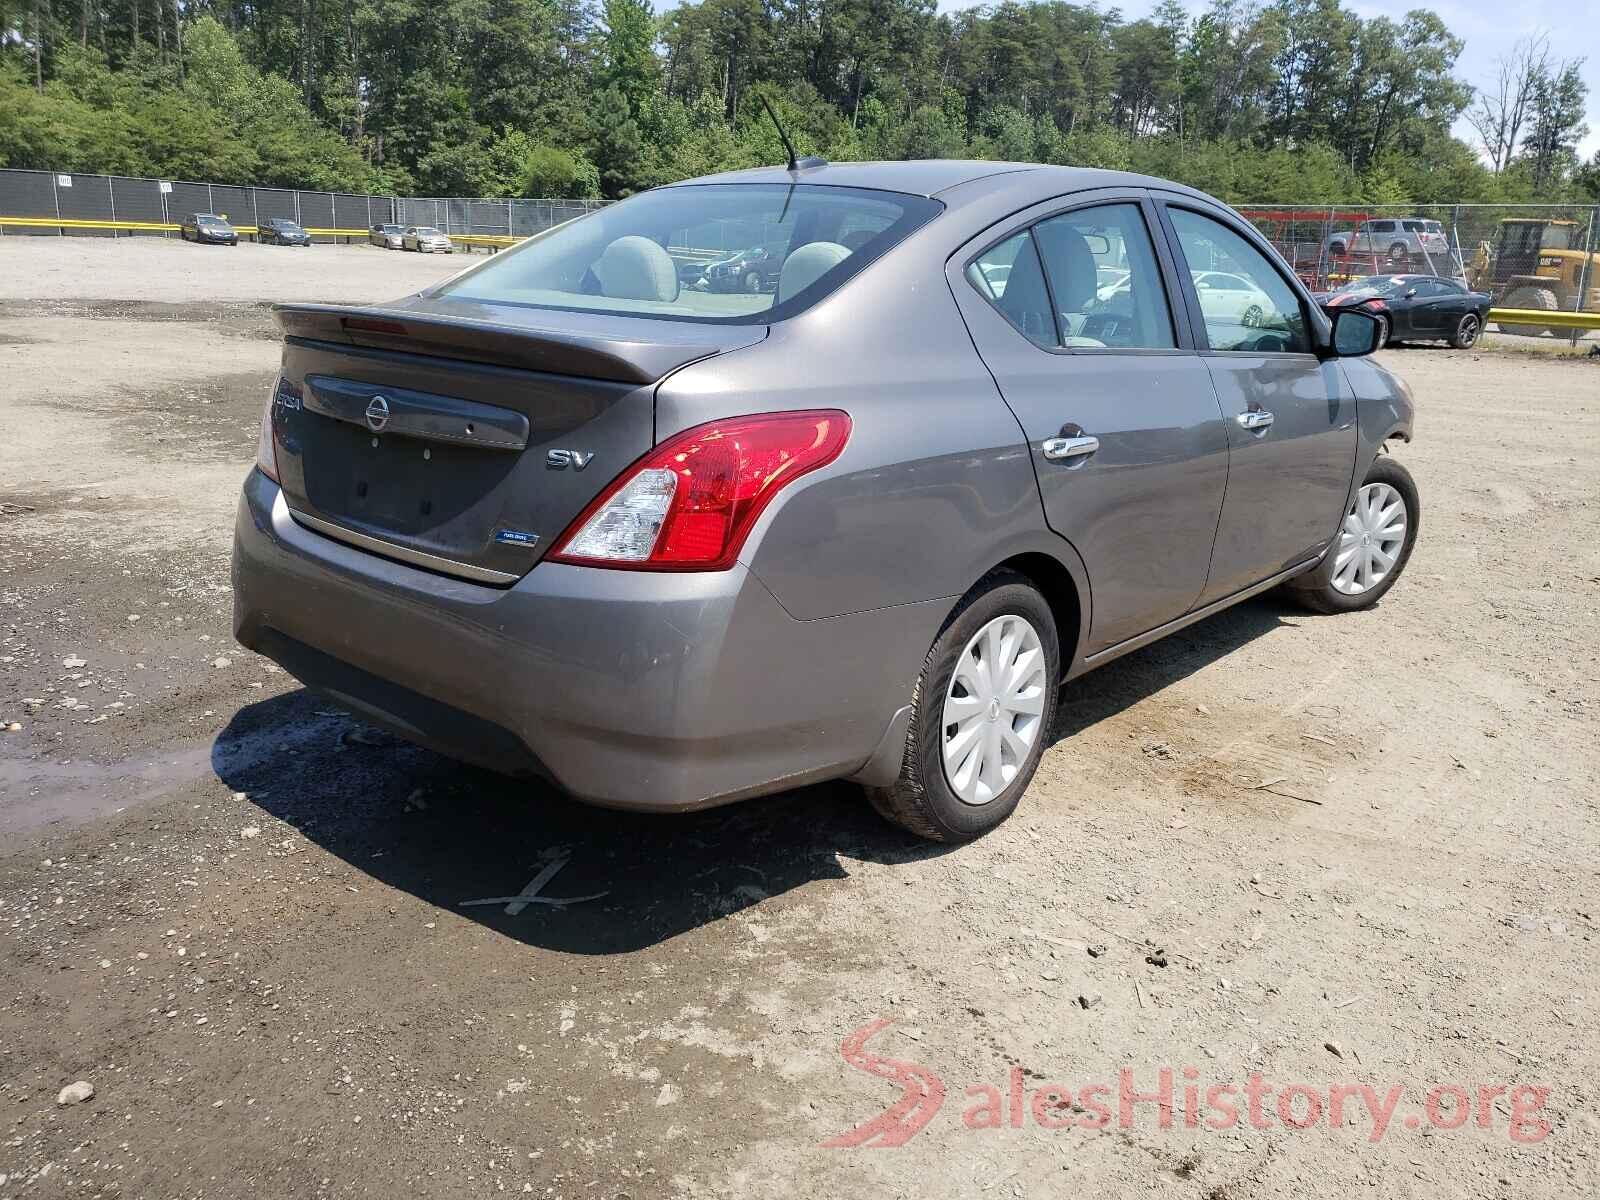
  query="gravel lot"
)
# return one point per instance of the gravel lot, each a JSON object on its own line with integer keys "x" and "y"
{"x": 1329, "y": 851}
{"x": 167, "y": 270}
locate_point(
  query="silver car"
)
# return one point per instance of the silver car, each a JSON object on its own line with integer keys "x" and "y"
{"x": 426, "y": 239}
{"x": 668, "y": 547}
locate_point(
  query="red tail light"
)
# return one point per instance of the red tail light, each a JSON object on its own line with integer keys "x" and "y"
{"x": 689, "y": 504}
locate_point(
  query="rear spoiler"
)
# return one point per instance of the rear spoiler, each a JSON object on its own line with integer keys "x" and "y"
{"x": 623, "y": 349}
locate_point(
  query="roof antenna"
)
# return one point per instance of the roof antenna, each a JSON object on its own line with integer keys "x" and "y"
{"x": 795, "y": 164}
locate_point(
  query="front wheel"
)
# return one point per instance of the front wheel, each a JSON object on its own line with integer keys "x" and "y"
{"x": 1373, "y": 545}
{"x": 752, "y": 282}
{"x": 981, "y": 714}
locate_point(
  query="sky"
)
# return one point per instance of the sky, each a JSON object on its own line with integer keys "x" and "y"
{"x": 1488, "y": 27}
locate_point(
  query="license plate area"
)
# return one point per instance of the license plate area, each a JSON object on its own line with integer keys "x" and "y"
{"x": 433, "y": 491}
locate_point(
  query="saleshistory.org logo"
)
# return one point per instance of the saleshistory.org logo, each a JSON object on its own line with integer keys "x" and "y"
{"x": 1170, "y": 1097}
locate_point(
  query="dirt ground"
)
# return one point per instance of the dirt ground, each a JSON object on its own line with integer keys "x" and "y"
{"x": 1324, "y": 853}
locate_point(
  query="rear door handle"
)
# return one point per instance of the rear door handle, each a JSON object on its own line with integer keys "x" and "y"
{"x": 1058, "y": 448}
{"x": 1256, "y": 420}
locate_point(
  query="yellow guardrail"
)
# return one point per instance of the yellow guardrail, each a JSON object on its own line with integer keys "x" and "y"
{"x": 484, "y": 239}
{"x": 1550, "y": 319}
{"x": 162, "y": 226}
{"x": 495, "y": 240}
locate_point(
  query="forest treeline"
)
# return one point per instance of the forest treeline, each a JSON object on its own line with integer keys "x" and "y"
{"x": 1292, "y": 100}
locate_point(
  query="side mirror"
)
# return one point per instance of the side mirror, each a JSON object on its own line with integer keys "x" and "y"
{"x": 1355, "y": 333}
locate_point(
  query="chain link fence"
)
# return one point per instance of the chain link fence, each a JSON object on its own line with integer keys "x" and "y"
{"x": 52, "y": 196}
{"x": 1526, "y": 256}
{"x": 514, "y": 218}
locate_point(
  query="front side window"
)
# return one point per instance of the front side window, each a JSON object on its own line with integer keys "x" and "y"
{"x": 711, "y": 253}
{"x": 1102, "y": 270}
{"x": 1262, "y": 317}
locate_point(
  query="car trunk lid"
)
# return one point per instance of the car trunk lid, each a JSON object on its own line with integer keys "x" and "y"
{"x": 424, "y": 431}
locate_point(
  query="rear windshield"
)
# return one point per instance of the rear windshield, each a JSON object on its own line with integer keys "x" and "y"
{"x": 712, "y": 253}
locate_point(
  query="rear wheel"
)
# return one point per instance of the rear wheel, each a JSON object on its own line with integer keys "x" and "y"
{"x": 1383, "y": 332}
{"x": 981, "y": 713}
{"x": 1252, "y": 317}
{"x": 1467, "y": 331}
{"x": 752, "y": 282}
{"x": 1373, "y": 545}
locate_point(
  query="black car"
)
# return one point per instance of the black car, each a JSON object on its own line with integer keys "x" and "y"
{"x": 208, "y": 227}
{"x": 753, "y": 270}
{"x": 282, "y": 232}
{"x": 1416, "y": 307}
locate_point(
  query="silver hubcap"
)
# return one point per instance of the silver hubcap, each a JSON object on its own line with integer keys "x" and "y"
{"x": 1370, "y": 541}
{"x": 1469, "y": 330}
{"x": 994, "y": 709}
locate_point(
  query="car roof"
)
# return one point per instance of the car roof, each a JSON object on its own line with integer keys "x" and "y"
{"x": 939, "y": 176}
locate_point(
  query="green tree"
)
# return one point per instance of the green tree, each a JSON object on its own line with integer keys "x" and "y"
{"x": 618, "y": 150}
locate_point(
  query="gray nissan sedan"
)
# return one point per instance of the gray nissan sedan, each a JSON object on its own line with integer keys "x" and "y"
{"x": 667, "y": 547}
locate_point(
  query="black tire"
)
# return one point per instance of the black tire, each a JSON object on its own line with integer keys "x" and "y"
{"x": 921, "y": 800}
{"x": 1466, "y": 332}
{"x": 1398, "y": 252}
{"x": 1315, "y": 589}
{"x": 752, "y": 282}
{"x": 1337, "y": 249}
{"x": 1383, "y": 332}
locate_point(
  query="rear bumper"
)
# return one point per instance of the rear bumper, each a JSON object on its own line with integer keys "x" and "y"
{"x": 628, "y": 689}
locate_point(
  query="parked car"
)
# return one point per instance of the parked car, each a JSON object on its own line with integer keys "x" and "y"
{"x": 208, "y": 228}
{"x": 426, "y": 239}
{"x": 1416, "y": 307}
{"x": 754, "y": 269}
{"x": 390, "y": 237}
{"x": 1397, "y": 240}
{"x": 670, "y": 548}
{"x": 282, "y": 232}
{"x": 1233, "y": 294}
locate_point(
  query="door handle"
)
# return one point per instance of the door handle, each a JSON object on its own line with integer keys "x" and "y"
{"x": 1257, "y": 420}
{"x": 1058, "y": 448}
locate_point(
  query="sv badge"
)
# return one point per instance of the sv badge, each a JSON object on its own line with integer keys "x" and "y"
{"x": 560, "y": 460}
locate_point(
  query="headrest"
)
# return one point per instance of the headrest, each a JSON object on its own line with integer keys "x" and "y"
{"x": 1072, "y": 265}
{"x": 635, "y": 268}
{"x": 806, "y": 265}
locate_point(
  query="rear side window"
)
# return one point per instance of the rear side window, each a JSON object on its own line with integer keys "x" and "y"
{"x": 1010, "y": 277}
{"x": 1262, "y": 317}
{"x": 708, "y": 253}
{"x": 1382, "y": 226}
{"x": 1103, "y": 274}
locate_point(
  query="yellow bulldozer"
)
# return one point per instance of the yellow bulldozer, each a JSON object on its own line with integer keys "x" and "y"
{"x": 1537, "y": 263}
